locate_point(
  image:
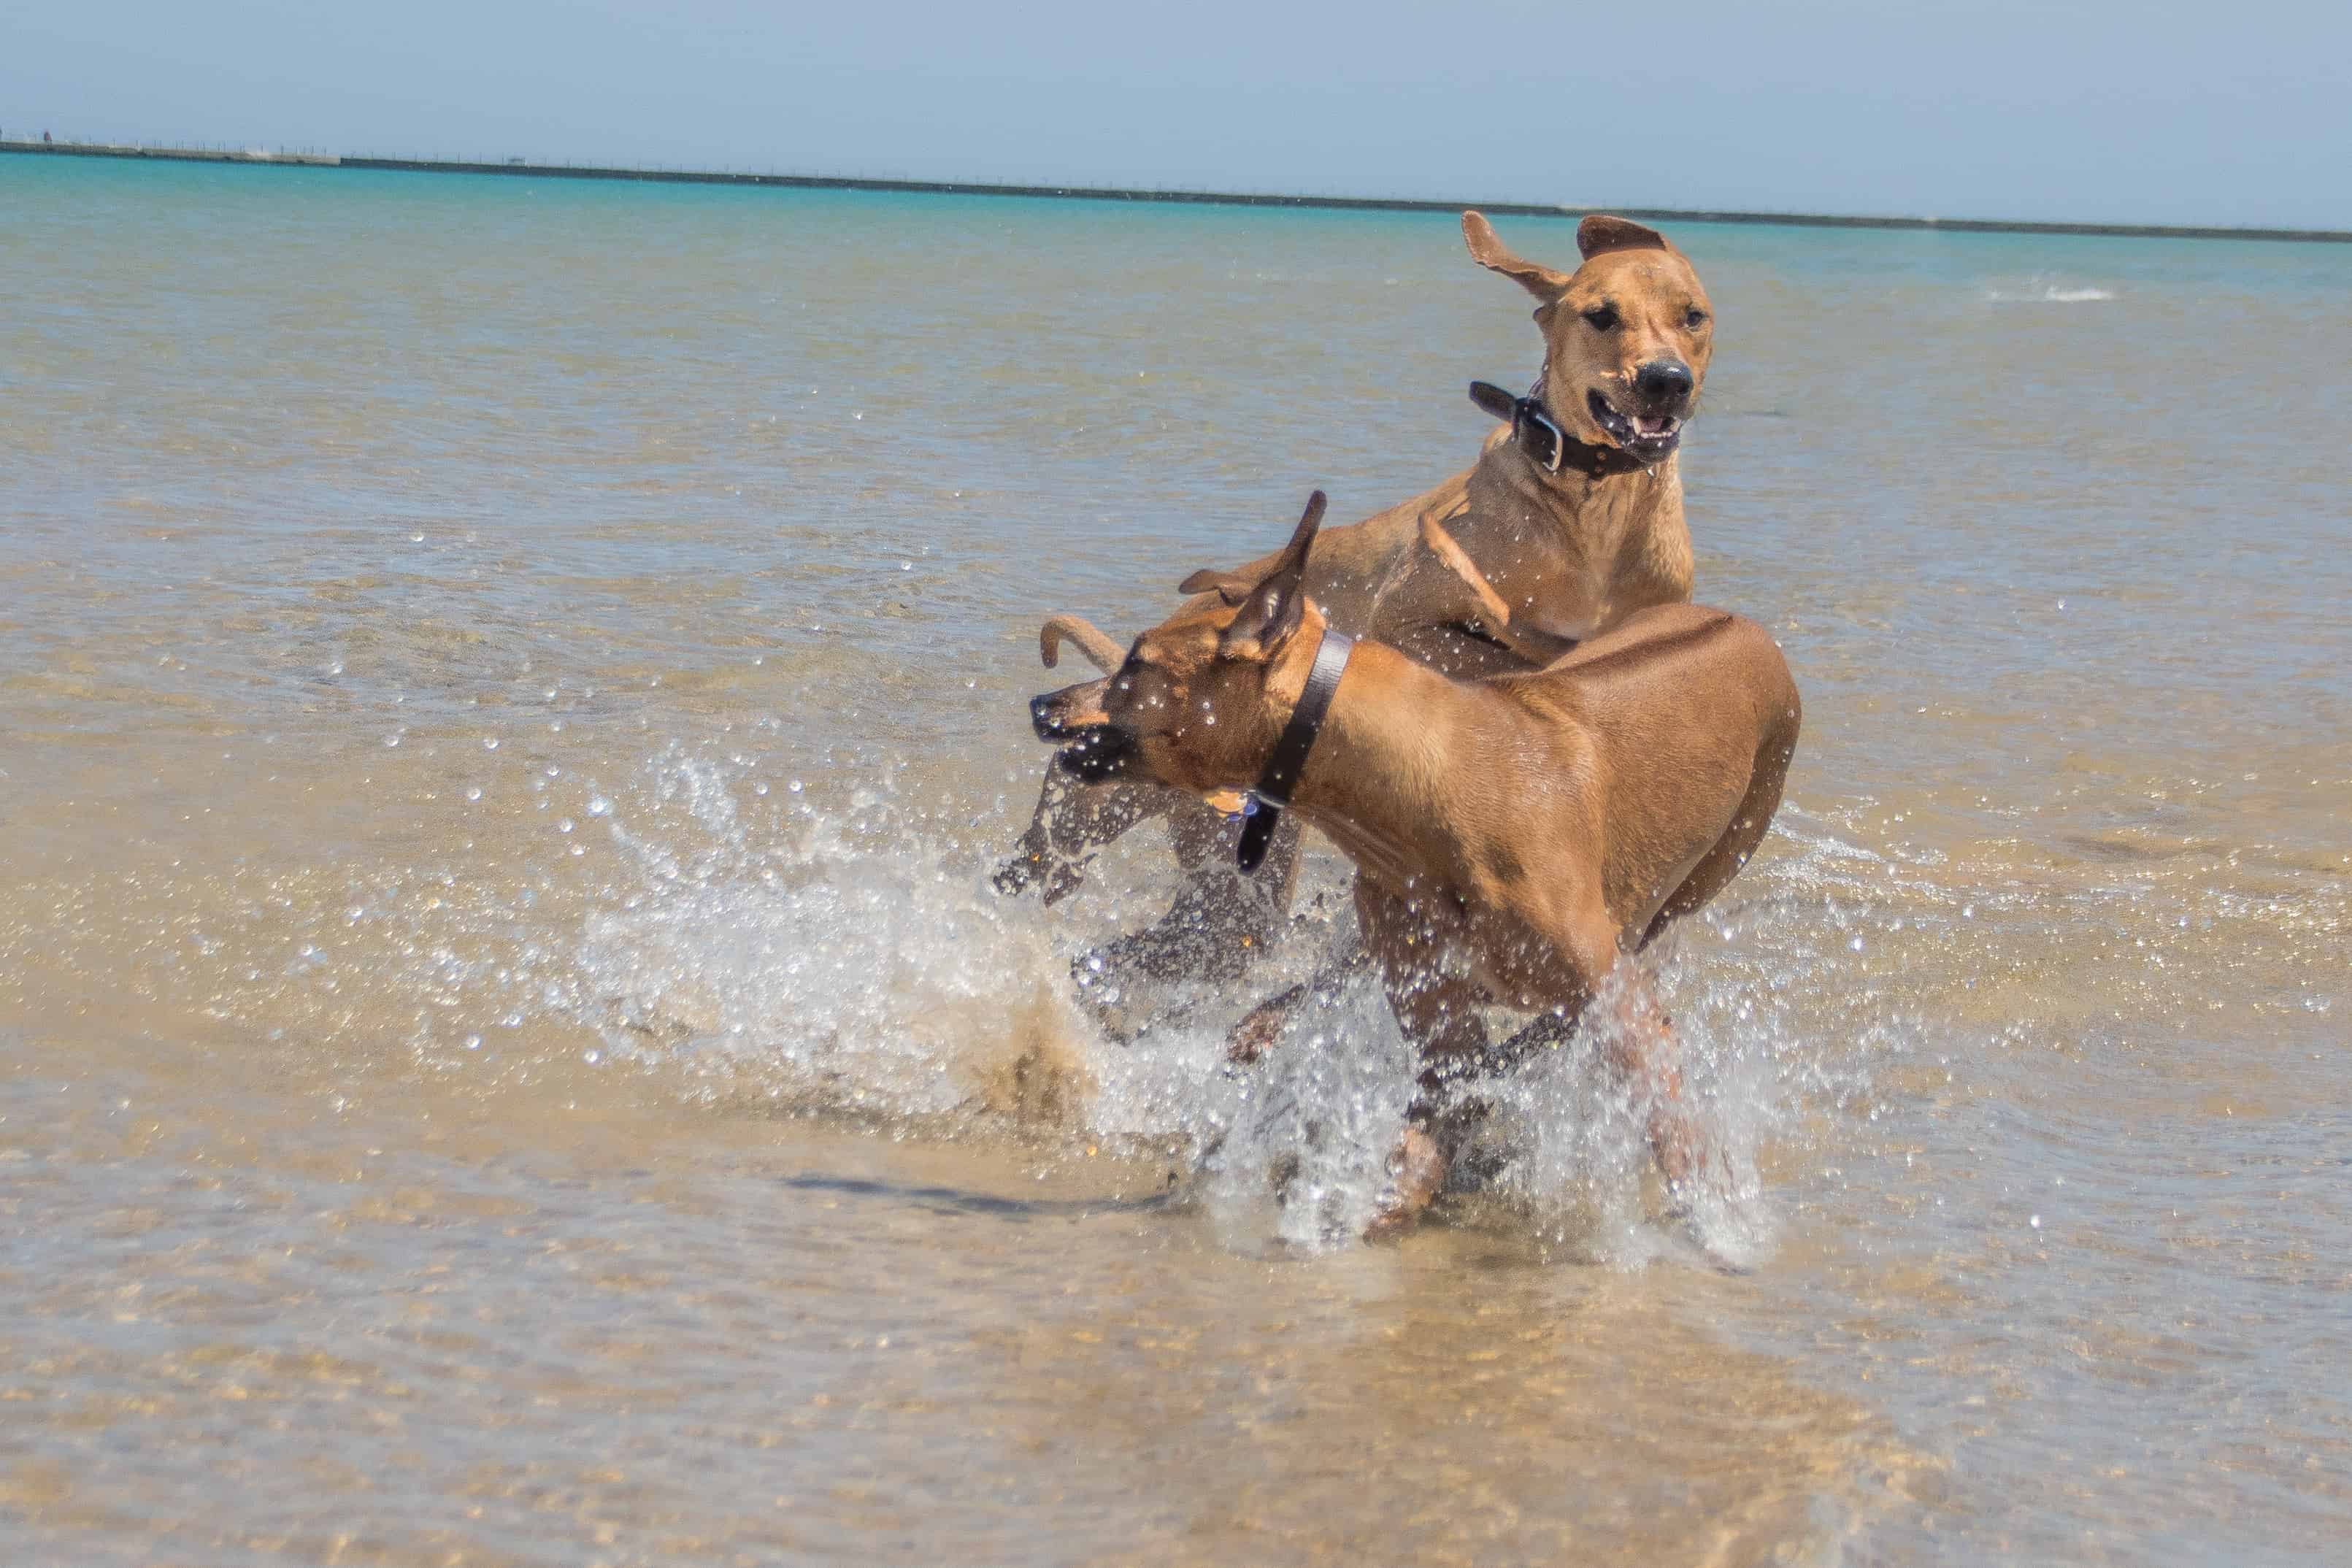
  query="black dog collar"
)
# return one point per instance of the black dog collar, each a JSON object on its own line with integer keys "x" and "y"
{"x": 1263, "y": 811}
{"x": 1533, "y": 428}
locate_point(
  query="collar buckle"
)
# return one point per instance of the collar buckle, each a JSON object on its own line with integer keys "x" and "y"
{"x": 1527, "y": 415}
{"x": 1532, "y": 412}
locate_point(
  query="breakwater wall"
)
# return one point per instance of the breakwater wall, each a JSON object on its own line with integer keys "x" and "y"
{"x": 519, "y": 168}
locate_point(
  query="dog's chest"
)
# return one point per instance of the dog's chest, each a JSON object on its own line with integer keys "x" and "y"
{"x": 1572, "y": 559}
{"x": 1558, "y": 594}
{"x": 1558, "y": 569}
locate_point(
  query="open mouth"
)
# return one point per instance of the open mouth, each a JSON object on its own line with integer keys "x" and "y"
{"x": 1649, "y": 437}
{"x": 1098, "y": 753}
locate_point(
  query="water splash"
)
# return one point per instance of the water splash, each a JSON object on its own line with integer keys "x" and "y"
{"x": 1298, "y": 1145}
{"x": 855, "y": 962}
{"x": 803, "y": 964}
{"x": 2046, "y": 291}
{"x": 838, "y": 951}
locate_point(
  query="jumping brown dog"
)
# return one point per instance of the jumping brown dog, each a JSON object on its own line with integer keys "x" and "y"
{"x": 1514, "y": 836}
{"x": 1573, "y": 513}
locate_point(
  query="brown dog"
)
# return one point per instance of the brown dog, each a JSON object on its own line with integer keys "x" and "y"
{"x": 1515, "y": 836}
{"x": 1573, "y": 514}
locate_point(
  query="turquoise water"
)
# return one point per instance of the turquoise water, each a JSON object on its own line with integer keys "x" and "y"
{"x": 510, "y": 690}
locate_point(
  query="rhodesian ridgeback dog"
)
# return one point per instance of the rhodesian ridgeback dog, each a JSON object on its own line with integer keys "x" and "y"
{"x": 1516, "y": 837}
{"x": 1573, "y": 515}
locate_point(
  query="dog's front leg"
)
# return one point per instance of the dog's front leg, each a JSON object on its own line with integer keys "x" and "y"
{"x": 1437, "y": 1008}
{"x": 1071, "y": 823}
{"x": 1440, "y": 1013}
{"x": 1259, "y": 1027}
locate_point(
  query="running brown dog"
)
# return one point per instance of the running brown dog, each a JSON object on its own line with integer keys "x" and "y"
{"x": 1573, "y": 513}
{"x": 1516, "y": 836}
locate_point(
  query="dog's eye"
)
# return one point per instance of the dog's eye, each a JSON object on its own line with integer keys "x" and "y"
{"x": 1602, "y": 318}
{"x": 1694, "y": 318}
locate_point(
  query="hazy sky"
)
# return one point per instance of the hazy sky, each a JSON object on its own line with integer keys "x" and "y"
{"x": 2098, "y": 109}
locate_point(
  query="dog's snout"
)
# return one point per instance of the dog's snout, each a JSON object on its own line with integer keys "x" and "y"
{"x": 1042, "y": 719}
{"x": 1095, "y": 752}
{"x": 1664, "y": 381}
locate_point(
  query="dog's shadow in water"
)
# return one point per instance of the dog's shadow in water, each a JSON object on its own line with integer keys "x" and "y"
{"x": 957, "y": 1201}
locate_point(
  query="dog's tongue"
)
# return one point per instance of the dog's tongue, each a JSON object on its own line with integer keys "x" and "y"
{"x": 1663, "y": 424}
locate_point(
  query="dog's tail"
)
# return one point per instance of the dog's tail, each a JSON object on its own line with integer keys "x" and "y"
{"x": 1103, "y": 654}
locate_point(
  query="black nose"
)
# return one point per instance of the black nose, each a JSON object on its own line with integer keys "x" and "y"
{"x": 1664, "y": 381}
{"x": 1041, "y": 719}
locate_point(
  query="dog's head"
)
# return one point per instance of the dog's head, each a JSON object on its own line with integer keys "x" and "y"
{"x": 1200, "y": 699}
{"x": 1627, "y": 335}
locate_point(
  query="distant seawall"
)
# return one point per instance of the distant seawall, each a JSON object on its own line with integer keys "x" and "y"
{"x": 1196, "y": 198}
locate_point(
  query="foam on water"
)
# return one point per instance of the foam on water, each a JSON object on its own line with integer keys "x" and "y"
{"x": 856, "y": 962}
{"x": 2044, "y": 290}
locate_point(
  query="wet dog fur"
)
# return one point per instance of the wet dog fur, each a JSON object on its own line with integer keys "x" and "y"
{"x": 1628, "y": 336}
{"x": 1516, "y": 837}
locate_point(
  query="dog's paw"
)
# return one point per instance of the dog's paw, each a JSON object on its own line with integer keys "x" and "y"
{"x": 1018, "y": 875}
{"x": 1056, "y": 878}
{"x": 1417, "y": 1171}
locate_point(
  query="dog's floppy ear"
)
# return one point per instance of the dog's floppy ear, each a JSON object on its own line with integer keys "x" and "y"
{"x": 1232, "y": 589}
{"x": 1600, "y": 232}
{"x": 1275, "y": 607}
{"x": 1488, "y": 251}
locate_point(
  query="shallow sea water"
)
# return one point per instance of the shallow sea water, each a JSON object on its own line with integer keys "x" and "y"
{"x": 509, "y": 691}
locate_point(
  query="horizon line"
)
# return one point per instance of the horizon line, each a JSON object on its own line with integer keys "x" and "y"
{"x": 527, "y": 169}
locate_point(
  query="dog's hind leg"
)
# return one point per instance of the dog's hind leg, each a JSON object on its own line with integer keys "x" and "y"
{"x": 1749, "y": 825}
{"x": 1640, "y": 1044}
{"x": 1617, "y": 1003}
